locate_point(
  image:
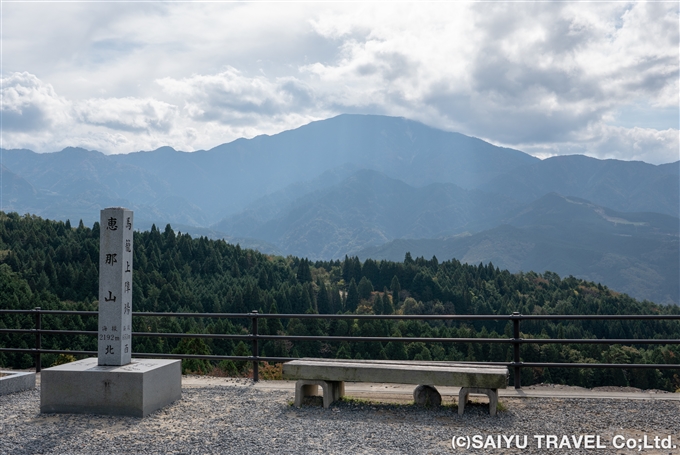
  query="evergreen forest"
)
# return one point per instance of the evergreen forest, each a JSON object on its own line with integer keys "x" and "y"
{"x": 54, "y": 265}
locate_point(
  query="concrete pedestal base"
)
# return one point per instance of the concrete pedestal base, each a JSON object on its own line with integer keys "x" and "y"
{"x": 16, "y": 381}
{"x": 136, "y": 389}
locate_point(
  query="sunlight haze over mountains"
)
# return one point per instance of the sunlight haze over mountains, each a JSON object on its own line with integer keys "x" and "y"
{"x": 599, "y": 79}
{"x": 540, "y": 136}
{"x": 377, "y": 186}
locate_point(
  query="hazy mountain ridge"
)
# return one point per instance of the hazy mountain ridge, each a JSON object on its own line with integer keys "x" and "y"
{"x": 635, "y": 253}
{"x": 367, "y": 184}
{"x": 225, "y": 179}
{"x": 369, "y": 208}
{"x": 269, "y": 206}
{"x": 628, "y": 186}
{"x": 75, "y": 183}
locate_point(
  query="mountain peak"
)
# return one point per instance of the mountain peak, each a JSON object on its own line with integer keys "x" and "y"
{"x": 78, "y": 151}
{"x": 166, "y": 149}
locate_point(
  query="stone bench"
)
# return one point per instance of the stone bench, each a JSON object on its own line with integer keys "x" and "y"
{"x": 331, "y": 374}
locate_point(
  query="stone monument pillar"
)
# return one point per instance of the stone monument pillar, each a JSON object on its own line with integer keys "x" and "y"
{"x": 112, "y": 383}
{"x": 115, "y": 287}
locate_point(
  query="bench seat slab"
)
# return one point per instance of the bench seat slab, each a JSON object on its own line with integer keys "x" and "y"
{"x": 398, "y": 372}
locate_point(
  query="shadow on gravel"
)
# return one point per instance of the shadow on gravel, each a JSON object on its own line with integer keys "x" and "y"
{"x": 356, "y": 409}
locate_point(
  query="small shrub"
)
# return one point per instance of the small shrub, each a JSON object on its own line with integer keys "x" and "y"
{"x": 271, "y": 371}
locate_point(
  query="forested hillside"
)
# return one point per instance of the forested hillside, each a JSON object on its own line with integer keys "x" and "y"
{"x": 53, "y": 265}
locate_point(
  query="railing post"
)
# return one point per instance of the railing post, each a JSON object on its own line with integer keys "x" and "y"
{"x": 516, "y": 345}
{"x": 256, "y": 364}
{"x": 38, "y": 338}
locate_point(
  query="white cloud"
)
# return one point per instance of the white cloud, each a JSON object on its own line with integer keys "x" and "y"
{"x": 230, "y": 97}
{"x": 651, "y": 145}
{"x": 536, "y": 75}
{"x": 29, "y": 105}
{"x": 549, "y": 78}
{"x": 128, "y": 114}
{"x": 614, "y": 142}
{"x": 643, "y": 144}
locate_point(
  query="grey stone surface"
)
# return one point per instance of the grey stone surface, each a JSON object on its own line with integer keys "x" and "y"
{"x": 16, "y": 381}
{"x": 332, "y": 391}
{"x": 115, "y": 286}
{"x": 400, "y": 372}
{"x": 136, "y": 389}
{"x": 466, "y": 391}
{"x": 427, "y": 395}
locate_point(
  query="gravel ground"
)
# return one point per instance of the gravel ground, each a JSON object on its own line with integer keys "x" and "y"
{"x": 240, "y": 419}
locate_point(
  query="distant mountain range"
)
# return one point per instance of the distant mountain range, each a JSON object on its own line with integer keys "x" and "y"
{"x": 366, "y": 208}
{"x": 378, "y": 187}
{"x": 635, "y": 253}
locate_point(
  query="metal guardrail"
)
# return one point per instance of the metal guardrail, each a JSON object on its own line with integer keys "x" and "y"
{"x": 254, "y": 337}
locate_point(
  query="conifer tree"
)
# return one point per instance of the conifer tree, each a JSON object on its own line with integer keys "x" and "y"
{"x": 352, "y": 301}
{"x": 275, "y": 327}
{"x": 387, "y": 306}
{"x": 365, "y": 288}
{"x": 304, "y": 274}
{"x": 378, "y": 307}
{"x": 336, "y": 300}
{"x": 322, "y": 300}
{"x": 396, "y": 289}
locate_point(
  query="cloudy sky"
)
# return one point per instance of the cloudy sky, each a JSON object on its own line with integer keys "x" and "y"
{"x": 547, "y": 78}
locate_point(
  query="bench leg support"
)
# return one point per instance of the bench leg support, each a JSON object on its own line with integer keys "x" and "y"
{"x": 465, "y": 391}
{"x": 332, "y": 391}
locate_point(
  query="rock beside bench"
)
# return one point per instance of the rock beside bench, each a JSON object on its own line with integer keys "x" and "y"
{"x": 427, "y": 395}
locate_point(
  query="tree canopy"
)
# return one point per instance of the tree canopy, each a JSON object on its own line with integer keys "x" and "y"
{"x": 53, "y": 265}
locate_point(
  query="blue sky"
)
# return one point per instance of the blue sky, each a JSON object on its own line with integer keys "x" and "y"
{"x": 547, "y": 78}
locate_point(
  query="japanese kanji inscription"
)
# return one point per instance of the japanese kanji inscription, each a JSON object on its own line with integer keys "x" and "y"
{"x": 115, "y": 286}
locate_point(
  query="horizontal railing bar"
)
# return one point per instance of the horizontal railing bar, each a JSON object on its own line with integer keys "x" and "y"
{"x": 152, "y": 355}
{"x": 599, "y": 341}
{"x": 138, "y": 334}
{"x": 471, "y": 340}
{"x": 661, "y": 366}
{"x": 202, "y": 357}
{"x": 331, "y": 338}
{"x": 288, "y": 359}
{"x": 51, "y": 332}
{"x": 625, "y": 341}
{"x": 48, "y": 351}
{"x": 63, "y": 312}
{"x": 470, "y": 317}
{"x": 325, "y": 316}
{"x": 597, "y": 317}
